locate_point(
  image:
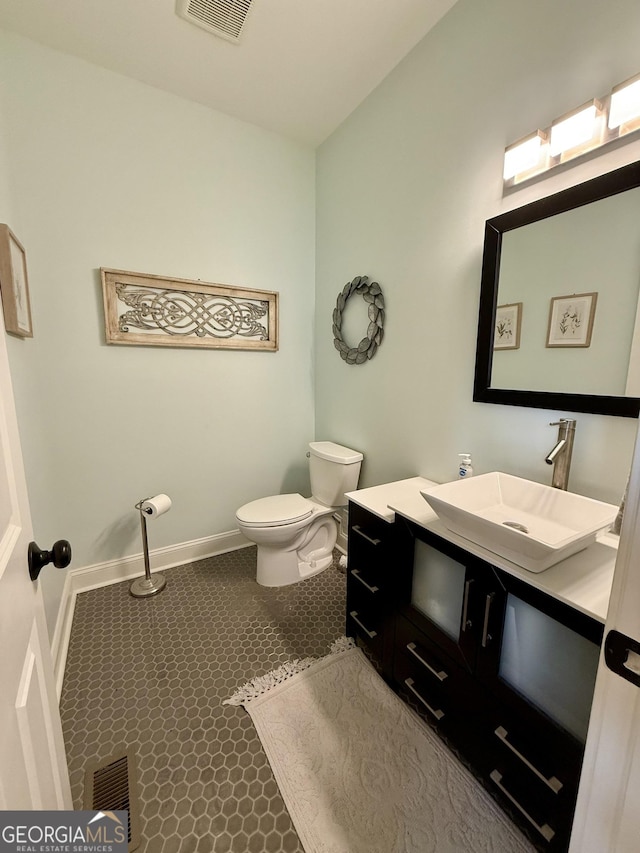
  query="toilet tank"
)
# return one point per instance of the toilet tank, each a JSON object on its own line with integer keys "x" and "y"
{"x": 334, "y": 470}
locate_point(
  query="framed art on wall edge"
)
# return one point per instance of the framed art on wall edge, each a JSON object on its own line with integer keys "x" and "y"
{"x": 14, "y": 285}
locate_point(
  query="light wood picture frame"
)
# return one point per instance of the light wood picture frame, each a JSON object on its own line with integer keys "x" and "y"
{"x": 14, "y": 285}
{"x": 151, "y": 310}
{"x": 571, "y": 320}
{"x": 507, "y": 327}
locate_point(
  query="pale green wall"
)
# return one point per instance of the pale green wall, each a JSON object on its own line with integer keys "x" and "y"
{"x": 104, "y": 171}
{"x": 404, "y": 187}
{"x": 101, "y": 170}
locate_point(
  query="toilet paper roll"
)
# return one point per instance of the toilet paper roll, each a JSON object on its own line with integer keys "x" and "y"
{"x": 158, "y": 505}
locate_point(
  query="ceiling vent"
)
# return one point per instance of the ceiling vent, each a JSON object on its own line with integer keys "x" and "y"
{"x": 225, "y": 18}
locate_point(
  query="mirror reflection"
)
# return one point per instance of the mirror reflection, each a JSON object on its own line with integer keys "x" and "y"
{"x": 559, "y": 324}
{"x": 593, "y": 249}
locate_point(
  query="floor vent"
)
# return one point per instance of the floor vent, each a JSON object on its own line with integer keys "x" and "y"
{"x": 225, "y": 18}
{"x": 111, "y": 786}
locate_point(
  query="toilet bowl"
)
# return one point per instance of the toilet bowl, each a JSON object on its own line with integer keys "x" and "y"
{"x": 296, "y": 535}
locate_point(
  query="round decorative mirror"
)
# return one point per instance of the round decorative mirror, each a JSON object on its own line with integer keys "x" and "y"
{"x": 371, "y": 292}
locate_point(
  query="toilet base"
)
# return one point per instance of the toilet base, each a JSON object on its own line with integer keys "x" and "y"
{"x": 308, "y": 570}
{"x": 280, "y": 567}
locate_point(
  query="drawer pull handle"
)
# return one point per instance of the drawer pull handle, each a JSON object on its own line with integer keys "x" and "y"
{"x": 409, "y": 682}
{"x": 555, "y": 784}
{"x": 486, "y": 636}
{"x": 357, "y": 529}
{"x": 358, "y": 577}
{"x": 465, "y": 607}
{"x": 439, "y": 675}
{"x": 370, "y": 634}
{"x": 545, "y": 830}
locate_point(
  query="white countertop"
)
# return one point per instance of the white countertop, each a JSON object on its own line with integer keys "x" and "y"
{"x": 582, "y": 581}
{"x": 377, "y": 499}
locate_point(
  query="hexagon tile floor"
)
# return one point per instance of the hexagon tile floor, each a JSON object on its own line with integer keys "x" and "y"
{"x": 151, "y": 674}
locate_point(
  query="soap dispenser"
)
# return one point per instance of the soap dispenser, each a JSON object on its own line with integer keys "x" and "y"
{"x": 465, "y": 469}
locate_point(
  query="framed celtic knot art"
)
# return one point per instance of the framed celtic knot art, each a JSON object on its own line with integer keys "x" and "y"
{"x": 149, "y": 310}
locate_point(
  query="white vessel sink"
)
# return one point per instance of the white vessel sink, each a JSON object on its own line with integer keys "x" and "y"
{"x": 533, "y": 525}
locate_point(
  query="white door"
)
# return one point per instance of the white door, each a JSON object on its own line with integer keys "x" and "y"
{"x": 33, "y": 770}
{"x": 608, "y": 811}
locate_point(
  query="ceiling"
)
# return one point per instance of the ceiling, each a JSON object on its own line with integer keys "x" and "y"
{"x": 301, "y": 67}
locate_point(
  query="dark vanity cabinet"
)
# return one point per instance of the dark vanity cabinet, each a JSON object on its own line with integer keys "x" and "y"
{"x": 375, "y": 558}
{"x": 502, "y": 670}
{"x": 540, "y": 671}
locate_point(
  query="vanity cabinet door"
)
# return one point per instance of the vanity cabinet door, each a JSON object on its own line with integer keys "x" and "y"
{"x": 540, "y": 654}
{"x": 442, "y": 594}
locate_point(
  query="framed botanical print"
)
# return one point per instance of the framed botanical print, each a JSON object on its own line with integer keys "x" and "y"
{"x": 508, "y": 324}
{"x": 571, "y": 320}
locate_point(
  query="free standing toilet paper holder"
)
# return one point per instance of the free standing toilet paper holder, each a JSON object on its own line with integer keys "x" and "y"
{"x": 147, "y": 585}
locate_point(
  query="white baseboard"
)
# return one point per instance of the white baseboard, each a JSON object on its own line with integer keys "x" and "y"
{"x": 115, "y": 571}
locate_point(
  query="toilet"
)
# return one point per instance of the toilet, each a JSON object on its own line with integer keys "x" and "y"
{"x": 295, "y": 535}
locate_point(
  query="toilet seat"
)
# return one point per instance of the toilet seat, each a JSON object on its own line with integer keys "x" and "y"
{"x": 275, "y": 511}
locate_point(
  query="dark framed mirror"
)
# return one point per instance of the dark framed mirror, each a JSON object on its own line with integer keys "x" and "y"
{"x": 564, "y": 273}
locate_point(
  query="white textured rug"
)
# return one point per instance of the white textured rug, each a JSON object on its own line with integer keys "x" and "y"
{"x": 359, "y": 772}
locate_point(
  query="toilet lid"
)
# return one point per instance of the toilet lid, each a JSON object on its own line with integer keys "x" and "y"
{"x": 275, "y": 510}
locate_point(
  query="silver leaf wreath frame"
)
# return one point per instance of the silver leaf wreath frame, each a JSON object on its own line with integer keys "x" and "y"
{"x": 371, "y": 292}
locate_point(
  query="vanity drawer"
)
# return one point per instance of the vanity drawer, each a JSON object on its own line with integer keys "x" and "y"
{"x": 547, "y": 765}
{"x": 548, "y": 825}
{"x": 423, "y": 656}
{"x": 434, "y": 680}
{"x": 424, "y": 688}
{"x": 535, "y": 771}
{"x": 370, "y": 600}
{"x": 543, "y": 749}
{"x": 368, "y": 624}
{"x": 370, "y": 539}
{"x": 367, "y": 577}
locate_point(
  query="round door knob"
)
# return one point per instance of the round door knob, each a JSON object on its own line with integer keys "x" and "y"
{"x": 59, "y": 555}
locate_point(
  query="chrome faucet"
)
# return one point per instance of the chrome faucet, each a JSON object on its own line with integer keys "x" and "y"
{"x": 560, "y": 456}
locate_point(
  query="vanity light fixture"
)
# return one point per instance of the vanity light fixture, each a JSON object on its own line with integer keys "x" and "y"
{"x": 584, "y": 129}
{"x": 577, "y": 132}
{"x": 624, "y": 112}
{"x": 527, "y": 156}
